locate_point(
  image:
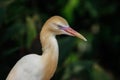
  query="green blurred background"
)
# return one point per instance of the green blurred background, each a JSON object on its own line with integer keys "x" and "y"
{"x": 97, "y": 20}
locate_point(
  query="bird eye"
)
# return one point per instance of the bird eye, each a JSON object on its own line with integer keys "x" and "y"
{"x": 58, "y": 25}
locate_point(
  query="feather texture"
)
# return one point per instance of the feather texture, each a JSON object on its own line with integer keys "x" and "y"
{"x": 36, "y": 67}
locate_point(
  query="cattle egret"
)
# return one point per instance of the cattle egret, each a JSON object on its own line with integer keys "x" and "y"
{"x": 42, "y": 67}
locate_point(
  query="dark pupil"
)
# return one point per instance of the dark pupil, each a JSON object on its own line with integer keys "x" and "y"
{"x": 60, "y": 26}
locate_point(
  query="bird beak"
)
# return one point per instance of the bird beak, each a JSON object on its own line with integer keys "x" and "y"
{"x": 72, "y": 32}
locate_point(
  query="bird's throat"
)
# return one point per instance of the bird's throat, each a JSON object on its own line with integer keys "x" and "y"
{"x": 49, "y": 43}
{"x": 50, "y": 52}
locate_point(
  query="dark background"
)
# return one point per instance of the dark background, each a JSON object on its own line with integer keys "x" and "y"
{"x": 97, "y": 20}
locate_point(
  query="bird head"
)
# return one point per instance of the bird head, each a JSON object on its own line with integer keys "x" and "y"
{"x": 58, "y": 25}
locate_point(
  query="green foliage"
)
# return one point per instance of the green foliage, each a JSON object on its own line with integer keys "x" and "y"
{"x": 31, "y": 31}
{"x": 99, "y": 74}
{"x": 96, "y": 59}
{"x": 69, "y": 8}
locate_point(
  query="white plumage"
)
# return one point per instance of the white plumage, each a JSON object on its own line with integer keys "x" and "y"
{"x": 36, "y": 67}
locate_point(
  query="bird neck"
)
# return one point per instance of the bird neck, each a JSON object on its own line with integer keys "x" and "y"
{"x": 50, "y": 52}
{"x": 49, "y": 44}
